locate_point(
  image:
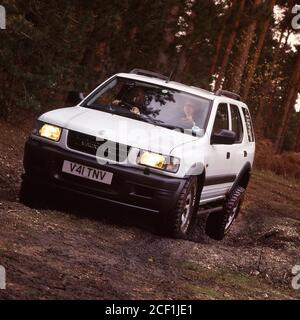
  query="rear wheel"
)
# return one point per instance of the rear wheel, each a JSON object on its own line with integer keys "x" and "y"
{"x": 180, "y": 221}
{"x": 218, "y": 224}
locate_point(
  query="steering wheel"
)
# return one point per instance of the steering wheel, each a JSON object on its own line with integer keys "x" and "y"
{"x": 125, "y": 104}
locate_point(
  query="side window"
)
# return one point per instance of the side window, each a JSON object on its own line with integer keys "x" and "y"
{"x": 222, "y": 119}
{"x": 237, "y": 125}
{"x": 249, "y": 125}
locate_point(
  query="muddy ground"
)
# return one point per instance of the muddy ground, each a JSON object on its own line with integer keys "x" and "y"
{"x": 102, "y": 252}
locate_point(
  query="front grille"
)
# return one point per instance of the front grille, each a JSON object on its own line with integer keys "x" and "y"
{"x": 103, "y": 148}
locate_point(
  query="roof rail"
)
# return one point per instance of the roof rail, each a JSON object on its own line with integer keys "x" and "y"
{"x": 228, "y": 94}
{"x": 147, "y": 73}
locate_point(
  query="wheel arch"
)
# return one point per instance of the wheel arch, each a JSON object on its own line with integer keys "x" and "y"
{"x": 243, "y": 177}
{"x": 198, "y": 170}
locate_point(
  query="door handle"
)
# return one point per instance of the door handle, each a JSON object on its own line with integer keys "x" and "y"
{"x": 245, "y": 153}
{"x": 228, "y": 155}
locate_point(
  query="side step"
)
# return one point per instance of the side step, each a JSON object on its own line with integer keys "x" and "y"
{"x": 209, "y": 210}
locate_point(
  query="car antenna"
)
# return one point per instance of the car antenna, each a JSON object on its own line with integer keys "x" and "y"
{"x": 170, "y": 76}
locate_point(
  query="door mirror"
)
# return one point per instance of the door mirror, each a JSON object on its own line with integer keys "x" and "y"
{"x": 223, "y": 137}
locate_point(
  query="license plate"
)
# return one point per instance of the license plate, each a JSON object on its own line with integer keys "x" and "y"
{"x": 80, "y": 170}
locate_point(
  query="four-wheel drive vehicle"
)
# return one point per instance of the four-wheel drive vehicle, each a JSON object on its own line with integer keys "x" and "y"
{"x": 143, "y": 141}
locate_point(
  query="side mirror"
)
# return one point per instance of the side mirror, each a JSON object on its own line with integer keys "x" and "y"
{"x": 223, "y": 137}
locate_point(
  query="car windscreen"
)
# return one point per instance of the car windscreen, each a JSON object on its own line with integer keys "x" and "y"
{"x": 155, "y": 104}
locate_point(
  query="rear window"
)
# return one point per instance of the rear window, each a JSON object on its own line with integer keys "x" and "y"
{"x": 237, "y": 125}
{"x": 249, "y": 125}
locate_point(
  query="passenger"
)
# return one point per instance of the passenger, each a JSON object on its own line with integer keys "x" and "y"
{"x": 188, "y": 120}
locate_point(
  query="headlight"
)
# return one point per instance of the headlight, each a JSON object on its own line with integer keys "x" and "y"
{"x": 49, "y": 131}
{"x": 158, "y": 161}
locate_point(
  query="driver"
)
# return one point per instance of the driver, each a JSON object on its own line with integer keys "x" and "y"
{"x": 136, "y": 98}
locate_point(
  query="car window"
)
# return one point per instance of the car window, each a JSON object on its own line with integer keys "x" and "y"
{"x": 237, "y": 125}
{"x": 222, "y": 119}
{"x": 249, "y": 125}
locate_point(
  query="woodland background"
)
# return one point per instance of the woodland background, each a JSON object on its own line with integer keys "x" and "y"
{"x": 52, "y": 47}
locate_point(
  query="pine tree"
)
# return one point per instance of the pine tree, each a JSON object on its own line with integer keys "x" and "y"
{"x": 239, "y": 64}
{"x": 261, "y": 39}
{"x": 220, "y": 37}
{"x": 288, "y": 106}
{"x": 230, "y": 42}
{"x": 167, "y": 46}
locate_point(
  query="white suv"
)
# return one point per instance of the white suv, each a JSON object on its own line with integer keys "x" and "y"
{"x": 143, "y": 141}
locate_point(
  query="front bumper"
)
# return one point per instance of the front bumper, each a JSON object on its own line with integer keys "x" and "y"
{"x": 130, "y": 187}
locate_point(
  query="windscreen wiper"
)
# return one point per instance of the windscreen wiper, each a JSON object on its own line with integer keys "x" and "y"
{"x": 160, "y": 123}
{"x": 171, "y": 126}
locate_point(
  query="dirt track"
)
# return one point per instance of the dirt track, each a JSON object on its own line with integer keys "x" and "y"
{"x": 103, "y": 252}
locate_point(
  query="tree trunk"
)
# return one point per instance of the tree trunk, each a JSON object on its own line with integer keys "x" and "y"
{"x": 229, "y": 46}
{"x": 253, "y": 64}
{"x": 275, "y": 63}
{"x": 289, "y": 105}
{"x": 215, "y": 59}
{"x": 219, "y": 42}
{"x": 286, "y": 120}
{"x": 130, "y": 48}
{"x": 266, "y": 105}
{"x": 184, "y": 53}
{"x": 236, "y": 74}
{"x": 278, "y": 47}
{"x": 133, "y": 34}
{"x": 297, "y": 135}
{"x": 168, "y": 38}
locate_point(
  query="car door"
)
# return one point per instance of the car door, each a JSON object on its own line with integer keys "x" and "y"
{"x": 218, "y": 159}
{"x": 238, "y": 150}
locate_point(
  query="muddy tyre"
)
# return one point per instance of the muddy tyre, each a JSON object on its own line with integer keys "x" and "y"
{"x": 218, "y": 224}
{"x": 31, "y": 195}
{"x": 179, "y": 223}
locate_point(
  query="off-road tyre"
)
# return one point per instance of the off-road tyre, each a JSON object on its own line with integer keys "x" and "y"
{"x": 218, "y": 224}
{"x": 174, "y": 224}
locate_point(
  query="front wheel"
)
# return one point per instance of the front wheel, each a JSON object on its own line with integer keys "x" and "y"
{"x": 218, "y": 224}
{"x": 180, "y": 221}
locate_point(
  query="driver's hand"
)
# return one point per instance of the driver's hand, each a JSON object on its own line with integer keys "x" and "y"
{"x": 135, "y": 110}
{"x": 116, "y": 102}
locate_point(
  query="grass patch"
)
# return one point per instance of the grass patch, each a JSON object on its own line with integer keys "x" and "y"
{"x": 202, "y": 292}
{"x": 276, "y": 178}
{"x": 224, "y": 284}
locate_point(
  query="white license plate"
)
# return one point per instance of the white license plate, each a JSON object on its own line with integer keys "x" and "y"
{"x": 80, "y": 170}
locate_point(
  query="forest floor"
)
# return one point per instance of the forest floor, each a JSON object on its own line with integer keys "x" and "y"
{"x": 102, "y": 252}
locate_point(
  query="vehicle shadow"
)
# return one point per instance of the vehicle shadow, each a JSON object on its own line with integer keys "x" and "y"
{"x": 113, "y": 214}
{"x": 106, "y": 213}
